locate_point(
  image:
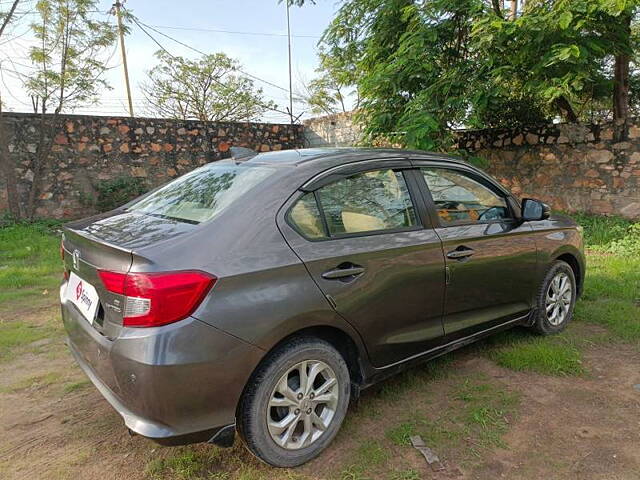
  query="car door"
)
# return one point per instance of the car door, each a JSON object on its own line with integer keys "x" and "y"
{"x": 364, "y": 237}
{"x": 490, "y": 255}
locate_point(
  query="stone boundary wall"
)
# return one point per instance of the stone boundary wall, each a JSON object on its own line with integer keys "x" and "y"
{"x": 573, "y": 167}
{"x": 338, "y": 130}
{"x": 92, "y": 149}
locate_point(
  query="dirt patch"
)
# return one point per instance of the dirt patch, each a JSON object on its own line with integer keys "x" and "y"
{"x": 54, "y": 425}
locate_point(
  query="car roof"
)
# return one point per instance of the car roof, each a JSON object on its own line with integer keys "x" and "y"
{"x": 335, "y": 156}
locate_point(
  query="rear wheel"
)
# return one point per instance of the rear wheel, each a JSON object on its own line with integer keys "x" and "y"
{"x": 556, "y": 299}
{"x": 295, "y": 403}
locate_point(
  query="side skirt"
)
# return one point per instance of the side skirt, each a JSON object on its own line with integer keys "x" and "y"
{"x": 378, "y": 374}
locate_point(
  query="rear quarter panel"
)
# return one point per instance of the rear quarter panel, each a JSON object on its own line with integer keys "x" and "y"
{"x": 263, "y": 293}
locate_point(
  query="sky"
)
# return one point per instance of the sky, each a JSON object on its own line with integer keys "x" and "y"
{"x": 260, "y": 45}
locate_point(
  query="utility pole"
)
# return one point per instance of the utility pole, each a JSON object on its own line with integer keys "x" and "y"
{"x": 290, "y": 80}
{"x": 117, "y": 6}
{"x": 514, "y": 9}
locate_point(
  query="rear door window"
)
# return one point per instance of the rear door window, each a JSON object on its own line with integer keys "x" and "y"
{"x": 305, "y": 217}
{"x": 374, "y": 201}
{"x": 204, "y": 193}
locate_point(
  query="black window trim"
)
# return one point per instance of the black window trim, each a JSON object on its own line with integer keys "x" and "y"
{"x": 473, "y": 174}
{"x": 404, "y": 167}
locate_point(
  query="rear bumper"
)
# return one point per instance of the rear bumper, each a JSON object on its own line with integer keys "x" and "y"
{"x": 175, "y": 384}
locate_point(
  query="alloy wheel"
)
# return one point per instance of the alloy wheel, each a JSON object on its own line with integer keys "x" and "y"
{"x": 302, "y": 404}
{"x": 558, "y": 300}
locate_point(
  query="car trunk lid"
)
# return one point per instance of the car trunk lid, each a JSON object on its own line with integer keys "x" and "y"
{"x": 112, "y": 243}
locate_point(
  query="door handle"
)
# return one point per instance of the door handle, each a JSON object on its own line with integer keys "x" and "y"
{"x": 460, "y": 253}
{"x": 336, "y": 273}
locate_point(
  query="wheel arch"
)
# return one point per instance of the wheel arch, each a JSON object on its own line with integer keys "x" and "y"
{"x": 341, "y": 340}
{"x": 574, "y": 263}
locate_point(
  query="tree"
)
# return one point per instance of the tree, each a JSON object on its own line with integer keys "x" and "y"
{"x": 208, "y": 89}
{"x": 425, "y": 68}
{"x": 329, "y": 92}
{"x": 564, "y": 51}
{"x": 416, "y": 71}
{"x": 6, "y": 165}
{"x": 68, "y": 65}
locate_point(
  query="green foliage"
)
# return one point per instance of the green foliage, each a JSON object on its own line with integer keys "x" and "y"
{"x": 629, "y": 244}
{"x": 498, "y": 108}
{"x": 68, "y": 54}
{"x": 600, "y": 230}
{"x": 614, "y": 235}
{"x": 115, "y": 193}
{"x": 210, "y": 88}
{"x": 423, "y": 69}
{"x": 326, "y": 93}
{"x": 559, "y": 51}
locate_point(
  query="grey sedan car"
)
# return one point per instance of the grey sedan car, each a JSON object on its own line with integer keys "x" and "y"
{"x": 259, "y": 295}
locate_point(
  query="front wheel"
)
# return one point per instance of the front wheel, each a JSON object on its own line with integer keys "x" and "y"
{"x": 295, "y": 402}
{"x": 556, "y": 299}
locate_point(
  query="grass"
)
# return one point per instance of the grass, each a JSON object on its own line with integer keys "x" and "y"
{"x": 600, "y": 231}
{"x": 522, "y": 350}
{"x": 35, "y": 382}
{"x": 75, "y": 386}
{"x": 409, "y": 474}
{"x": 16, "y": 334}
{"x": 474, "y": 419}
{"x": 186, "y": 463}
{"x": 611, "y": 299}
{"x": 612, "y": 296}
{"x": 369, "y": 456}
{"x": 30, "y": 265}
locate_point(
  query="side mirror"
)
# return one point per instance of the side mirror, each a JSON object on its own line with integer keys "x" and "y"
{"x": 533, "y": 209}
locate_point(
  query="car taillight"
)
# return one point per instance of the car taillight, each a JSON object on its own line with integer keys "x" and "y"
{"x": 153, "y": 299}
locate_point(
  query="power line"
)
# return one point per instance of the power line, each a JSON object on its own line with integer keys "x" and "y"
{"x": 213, "y": 30}
{"x": 204, "y": 53}
{"x": 173, "y": 56}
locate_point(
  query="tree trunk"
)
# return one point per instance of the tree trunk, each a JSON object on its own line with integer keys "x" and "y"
{"x": 7, "y": 19}
{"x": 8, "y": 171}
{"x": 566, "y": 110}
{"x": 514, "y": 9}
{"x": 6, "y": 165}
{"x": 45, "y": 142}
{"x": 497, "y": 7}
{"x": 621, "y": 83}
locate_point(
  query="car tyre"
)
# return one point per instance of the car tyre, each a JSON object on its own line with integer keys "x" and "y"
{"x": 276, "y": 399}
{"x": 556, "y": 299}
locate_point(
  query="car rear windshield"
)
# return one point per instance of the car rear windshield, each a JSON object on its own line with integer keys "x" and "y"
{"x": 202, "y": 194}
